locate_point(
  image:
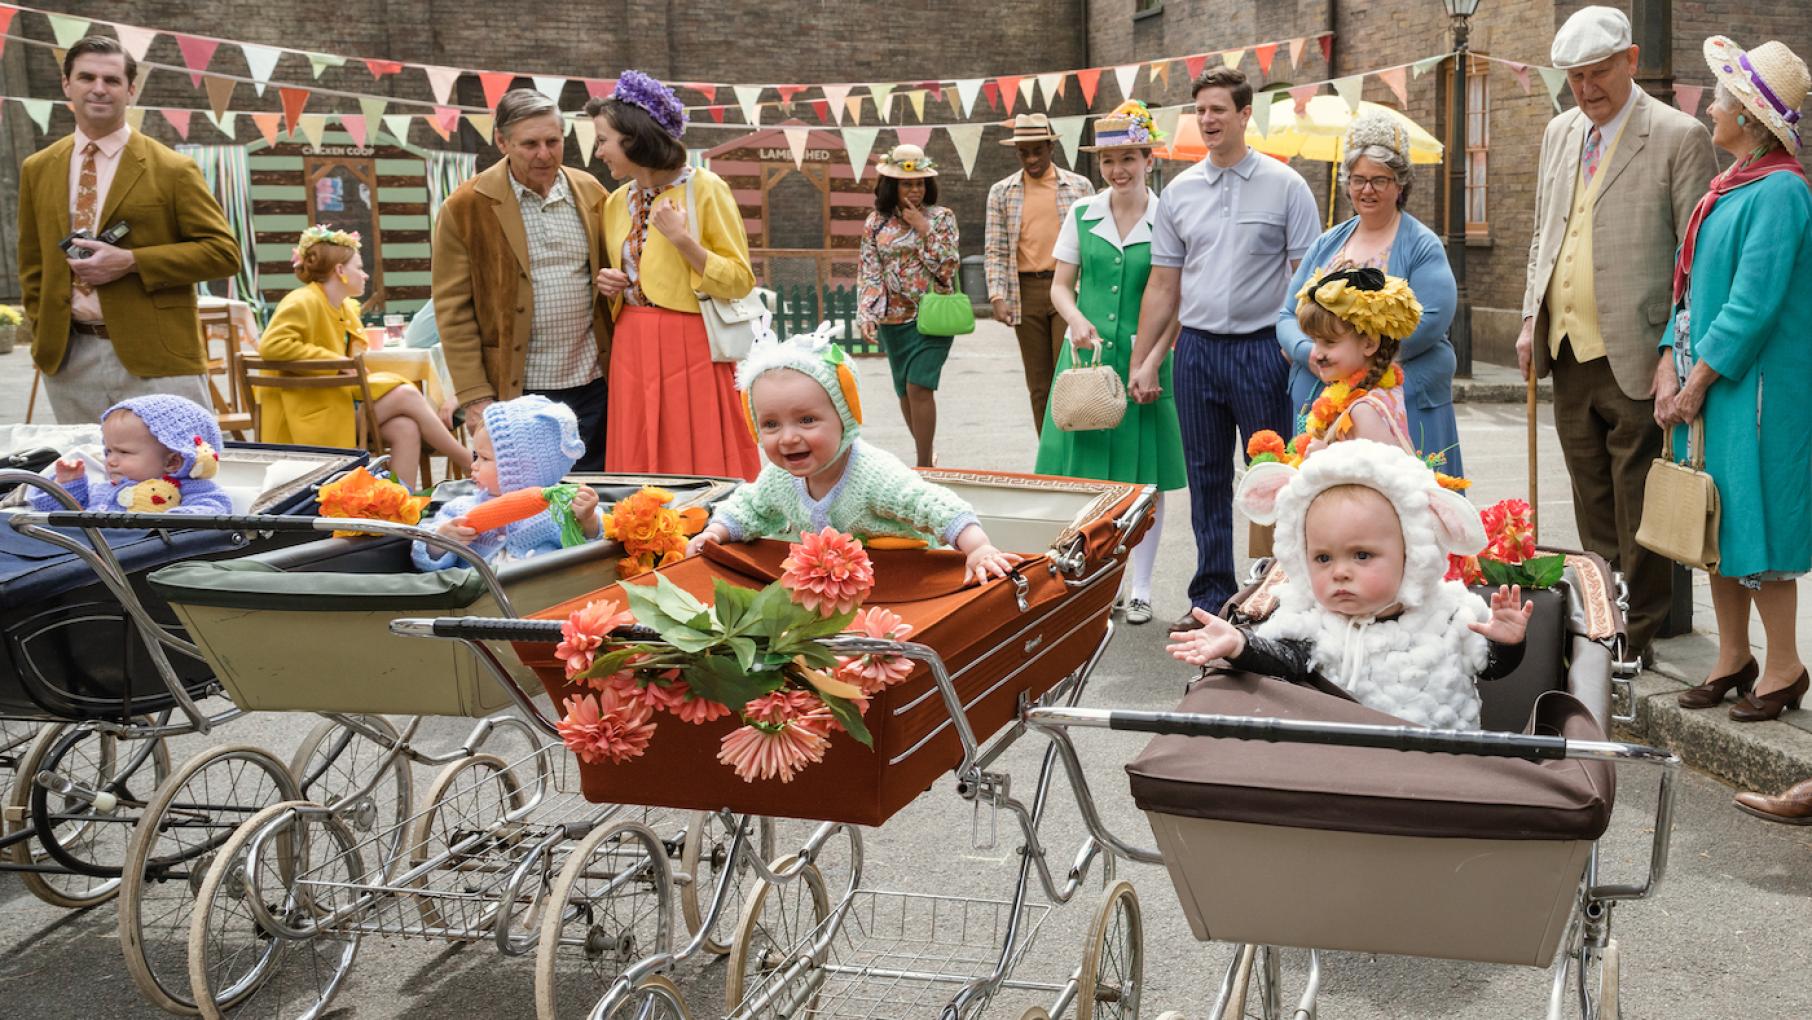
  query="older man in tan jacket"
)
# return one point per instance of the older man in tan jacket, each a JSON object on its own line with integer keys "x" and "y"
{"x": 515, "y": 251}
{"x": 1619, "y": 177}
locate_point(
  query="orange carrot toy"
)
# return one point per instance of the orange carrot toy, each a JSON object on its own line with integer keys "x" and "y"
{"x": 522, "y": 504}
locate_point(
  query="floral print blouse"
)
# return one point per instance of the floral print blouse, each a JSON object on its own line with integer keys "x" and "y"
{"x": 898, "y": 265}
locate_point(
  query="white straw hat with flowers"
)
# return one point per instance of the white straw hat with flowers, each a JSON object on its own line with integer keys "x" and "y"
{"x": 907, "y": 162}
{"x": 1770, "y": 81}
{"x": 1130, "y": 126}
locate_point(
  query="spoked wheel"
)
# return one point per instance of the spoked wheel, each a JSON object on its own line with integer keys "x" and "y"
{"x": 776, "y": 922}
{"x": 336, "y": 761}
{"x": 611, "y": 907}
{"x": 703, "y": 859}
{"x": 655, "y": 998}
{"x": 83, "y": 838}
{"x": 1256, "y": 988}
{"x": 185, "y": 825}
{"x": 307, "y": 865}
{"x": 466, "y": 806}
{"x": 1113, "y": 960}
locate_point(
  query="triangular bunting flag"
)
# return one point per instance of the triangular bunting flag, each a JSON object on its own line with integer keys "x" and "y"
{"x": 858, "y": 142}
{"x": 917, "y": 98}
{"x": 318, "y": 62}
{"x": 703, "y": 88}
{"x": 293, "y": 102}
{"x": 225, "y": 123}
{"x": 313, "y": 126}
{"x": 749, "y": 98}
{"x": 919, "y": 136}
{"x": 196, "y": 53}
{"x": 1069, "y": 135}
{"x": 1427, "y": 64}
{"x": 267, "y": 125}
{"x": 1262, "y": 107}
{"x": 966, "y": 91}
{"x": 991, "y": 89}
{"x": 398, "y": 126}
{"x": 1009, "y": 90}
{"x": 585, "y": 133}
{"x": 879, "y": 94}
{"x": 1048, "y": 84}
{"x": 967, "y": 139}
{"x": 1394, "y": 79}
{"x": 550, "y": 85}
{"x": 787, "y": 92}
{"x": 1027, "y": 85}
{"x": 1165, "y": 119}
{"x": 39, "y": 112}
{"x": 1687, "y": 97}
{"x": 604, "y": 88}
{"x": 220, "y": 93}
{"x": 495, "y": 84}
{"x": 1552, "y": 79}
{"x": 1195, "y": 64}
{"x": 371, "y": 111}
{"x": 137, "y": 41}
{"x": 261, "y": 60}
{"x": 67, "y": 28}
{"x": 440, "y": 82}
{"x": 1126, "y": 76}
{"x": 796, "y": 138}
{"x": 445, "y": 120}
{"x": 955, "y": 101}
{"x": 717, "y": 113}
{"x": 1521, "y": 73}
{"x": 1265, "y": 54}
{"x": 379, "y": 68}
{"x": 135, "y": 116}
{"x": 1349, "y": 88}
{"x": 834, "y": 95}
{"x": 851, "y": 106}
{"x": 1089, "y": 79}
{"x": 1231, "y": 58}
{"x": 439, "y": 128}
{"x": 1296, "y": 46}
{"x": 1301, "y": 95}
{"x": 1160, "y": 72}
{"x": 822, "y": 108}
{"x": 357, "y": 126}
{"x": 1327, "y": 48}
{"x": 483, "y": 123}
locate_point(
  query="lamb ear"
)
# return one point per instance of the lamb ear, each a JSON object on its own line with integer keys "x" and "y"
{"x": 1457, "y": 524}
{"x": 1257, "y": 496}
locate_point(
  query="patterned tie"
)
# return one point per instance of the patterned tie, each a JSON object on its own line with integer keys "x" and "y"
{"x": 88, "y": 205}
{"x": 1594, "y": 150}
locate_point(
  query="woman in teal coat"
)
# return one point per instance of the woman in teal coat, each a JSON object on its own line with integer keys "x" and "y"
{"x": 1103, "y": 260}
{"x": 1736, "y": 354}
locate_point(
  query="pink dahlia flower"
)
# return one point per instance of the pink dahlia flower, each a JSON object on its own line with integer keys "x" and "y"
{"x": 606, "y": 728}
{"x": 772, "y": 752}
{"x": 698, "y": 711}
{"x": 875, "y": 673}
{"x": 584, "y": 632}
{"x": 828, "y": 572}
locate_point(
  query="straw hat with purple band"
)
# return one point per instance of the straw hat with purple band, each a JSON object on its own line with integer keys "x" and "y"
{"x": 907, "y": 162}
{"x": 1590, "y": 35}
{"x": 1129, "y": 127}
{"x": 1769, "y": 81}
{"x": 1029, "y": 128}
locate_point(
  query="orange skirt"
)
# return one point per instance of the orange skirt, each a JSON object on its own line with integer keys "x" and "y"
{"x": 672, "y": 409}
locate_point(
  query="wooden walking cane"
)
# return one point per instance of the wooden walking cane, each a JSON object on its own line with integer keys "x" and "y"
{"x": 1534, "y": 499}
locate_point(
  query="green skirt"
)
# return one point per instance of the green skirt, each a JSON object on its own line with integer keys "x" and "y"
{"x": 912, "y": 356}
{"x": 1145, "y": 448}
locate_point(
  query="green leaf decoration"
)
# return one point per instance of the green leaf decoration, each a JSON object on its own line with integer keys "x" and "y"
{"x": 611, "y": 664}
{"x": 775, "y": 609}
{"x": 646, "y": 608}
{"x": 719, "y": 678}
{"x": 731, "y": 605}
{"x": 746, "y": 651}
{"x": 850, "y": 719}
{"x": 1496, "y": 572}
{"x": 676, "y": 601}
{"x": 1544, "y": 571}
{"x": 689, "y": 639}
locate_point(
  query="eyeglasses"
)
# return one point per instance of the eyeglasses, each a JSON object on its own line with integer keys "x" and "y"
{"x": 1374, "y": 183}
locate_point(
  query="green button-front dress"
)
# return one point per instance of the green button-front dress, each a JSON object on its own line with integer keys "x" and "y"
{"x": 1147, "y": 446}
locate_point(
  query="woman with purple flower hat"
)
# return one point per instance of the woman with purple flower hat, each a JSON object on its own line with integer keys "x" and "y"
{"x": 672, "y": 409}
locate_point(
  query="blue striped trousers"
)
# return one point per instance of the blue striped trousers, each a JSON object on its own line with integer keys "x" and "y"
{"x": 1223, "y": 381}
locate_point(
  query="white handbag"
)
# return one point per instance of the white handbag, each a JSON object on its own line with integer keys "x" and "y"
{"x": 729, "y": 324}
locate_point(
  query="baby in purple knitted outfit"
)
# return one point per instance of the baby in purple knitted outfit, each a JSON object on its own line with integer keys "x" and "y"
{"x": 161, "y": 452}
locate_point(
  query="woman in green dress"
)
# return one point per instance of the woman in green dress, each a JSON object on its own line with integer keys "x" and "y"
{"x": 1103, "y": 259}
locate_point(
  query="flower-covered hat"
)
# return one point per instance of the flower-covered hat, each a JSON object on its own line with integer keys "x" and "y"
{"x": 1372, "y": 303}
{"x": 1770, "y": 81}
{"x": 907, "y": 162}
{"x": 181, "y": 426}
{"x": 813, "y": 354}
{"x": 321, "y": 233}
{"x": 639, "y": 90}
{"x": 536, "y": 441}
{"x": 1130, "y": 126}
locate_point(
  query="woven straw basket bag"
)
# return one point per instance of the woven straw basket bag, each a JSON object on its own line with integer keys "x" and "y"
{"x": 1088, "y": 398}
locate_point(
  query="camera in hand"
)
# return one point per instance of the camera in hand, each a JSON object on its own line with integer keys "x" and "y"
{"x": 112, "y": 235}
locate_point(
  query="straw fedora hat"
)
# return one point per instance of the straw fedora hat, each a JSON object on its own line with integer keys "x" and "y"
{"x": 907, "y": 162}
{"x": 1130, "y": 126}
{"x": 1029, "y": 128}
{"x": 1770, "y": 81}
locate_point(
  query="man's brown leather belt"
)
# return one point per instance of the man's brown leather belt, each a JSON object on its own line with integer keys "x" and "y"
{"x": 90, "y": 328}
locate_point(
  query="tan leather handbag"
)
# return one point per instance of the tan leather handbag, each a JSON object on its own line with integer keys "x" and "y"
{"x": 1680, "y": 512}
{"x": 1087, "y": 398}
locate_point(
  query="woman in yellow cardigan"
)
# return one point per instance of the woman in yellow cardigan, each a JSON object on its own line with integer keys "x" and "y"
{"x": 672, "y": 410}
{"x": 321, "y": 320}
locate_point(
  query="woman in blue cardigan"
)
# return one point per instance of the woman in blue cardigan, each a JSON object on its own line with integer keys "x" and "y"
{"x": 1376, "y": 176}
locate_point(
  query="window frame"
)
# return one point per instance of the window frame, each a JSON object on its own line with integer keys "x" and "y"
{"x": 1478, "y": 148}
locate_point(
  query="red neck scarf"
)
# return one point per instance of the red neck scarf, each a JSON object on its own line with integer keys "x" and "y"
{"x": 1777, "y": 161}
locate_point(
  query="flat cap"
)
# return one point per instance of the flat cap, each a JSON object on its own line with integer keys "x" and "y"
{"x": 1590, "y": 35}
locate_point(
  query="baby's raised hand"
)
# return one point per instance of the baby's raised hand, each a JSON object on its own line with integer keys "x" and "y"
{"x": 69, "y": 470}
{"x": 987, "y": 562}
{"x": 712, "y": 535}
{"x": 1509, "y": 616}
{"x": 584, "y": 501}
{"x": 1215, "y": 639}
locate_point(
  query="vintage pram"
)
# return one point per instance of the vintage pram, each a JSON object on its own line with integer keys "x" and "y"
{"x": 1477, "y": 846}
{"x": 985, "y": 652}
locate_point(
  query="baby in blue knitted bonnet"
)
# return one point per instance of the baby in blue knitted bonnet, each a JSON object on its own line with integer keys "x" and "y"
{"x": 161, "y": 451}
{"x": 527, "y": 443}
{"x": 806, "y": 412}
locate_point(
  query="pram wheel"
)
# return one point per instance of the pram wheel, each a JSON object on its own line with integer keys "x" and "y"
{"x": 88, "y": 840}
{"x": 336, "y": 761}
{"x": 192, "y": 816}
{"x": 306, "y": 866}
{"x": 469, "y": 797}
{"x": 1113, "y": 960}
{"x": 611, "y": 907}
{"x": 703, "y": 858}
{"x": 656, "y": 998}
{"x": 776, "y": 922}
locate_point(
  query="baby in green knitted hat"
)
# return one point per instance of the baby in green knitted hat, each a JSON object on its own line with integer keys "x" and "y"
{"x": 806, "y": 413}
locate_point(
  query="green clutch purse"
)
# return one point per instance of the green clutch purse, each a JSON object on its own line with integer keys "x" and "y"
{"x": 945, "y": 314}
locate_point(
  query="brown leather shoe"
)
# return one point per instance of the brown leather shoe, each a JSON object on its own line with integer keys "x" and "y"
{"x": 1750, "y": 708}
{"x": 1187, "y": 623}
{"x": 1794, "y": 807}
{"x": 1711, "y": 693}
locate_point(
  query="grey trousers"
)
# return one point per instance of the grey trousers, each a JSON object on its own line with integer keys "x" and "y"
{"x": 92, "y": 380}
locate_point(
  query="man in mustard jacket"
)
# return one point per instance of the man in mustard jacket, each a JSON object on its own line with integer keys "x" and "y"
{"x": 119, "y": 322}
{"x": 515, "y": 251}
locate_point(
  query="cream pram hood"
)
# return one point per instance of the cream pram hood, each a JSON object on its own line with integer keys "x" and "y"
{"x": 1420, "y": 666}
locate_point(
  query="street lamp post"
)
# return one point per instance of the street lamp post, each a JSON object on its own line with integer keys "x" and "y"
{"x": 1460, "y": 13}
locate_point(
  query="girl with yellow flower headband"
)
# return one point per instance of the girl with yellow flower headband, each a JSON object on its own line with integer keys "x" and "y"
{"x": 1357, "y": 318}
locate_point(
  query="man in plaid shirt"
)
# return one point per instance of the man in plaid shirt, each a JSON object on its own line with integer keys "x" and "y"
{"x": 1025, "y": 212}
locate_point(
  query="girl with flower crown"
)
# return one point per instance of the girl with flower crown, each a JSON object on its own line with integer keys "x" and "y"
{"x": 1356, "y": 319}
{"x": 320, "y": 320}
{"x": 672, "y": 409}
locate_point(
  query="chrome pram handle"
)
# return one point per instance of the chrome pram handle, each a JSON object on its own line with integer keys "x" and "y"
{"x": 1292, "y": 731}
{"x": 475, "y": 628}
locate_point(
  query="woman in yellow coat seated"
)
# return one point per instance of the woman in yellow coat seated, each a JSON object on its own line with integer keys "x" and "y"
{"x": 321, "y": 320}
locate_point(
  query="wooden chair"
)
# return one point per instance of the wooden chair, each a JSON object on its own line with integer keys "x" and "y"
{"x": 335, "y": 373}
{"x": 231, "y": 407}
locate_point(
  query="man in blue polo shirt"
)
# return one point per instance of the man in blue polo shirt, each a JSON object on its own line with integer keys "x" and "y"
{"x": 1229, "y": 233}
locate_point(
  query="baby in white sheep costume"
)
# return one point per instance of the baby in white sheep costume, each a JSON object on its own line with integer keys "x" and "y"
{"x": 1365, "y": 605}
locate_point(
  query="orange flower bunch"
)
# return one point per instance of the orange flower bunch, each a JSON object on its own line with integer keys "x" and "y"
{"x": 363, "y": 495}
{"x": 652, "y": 533}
